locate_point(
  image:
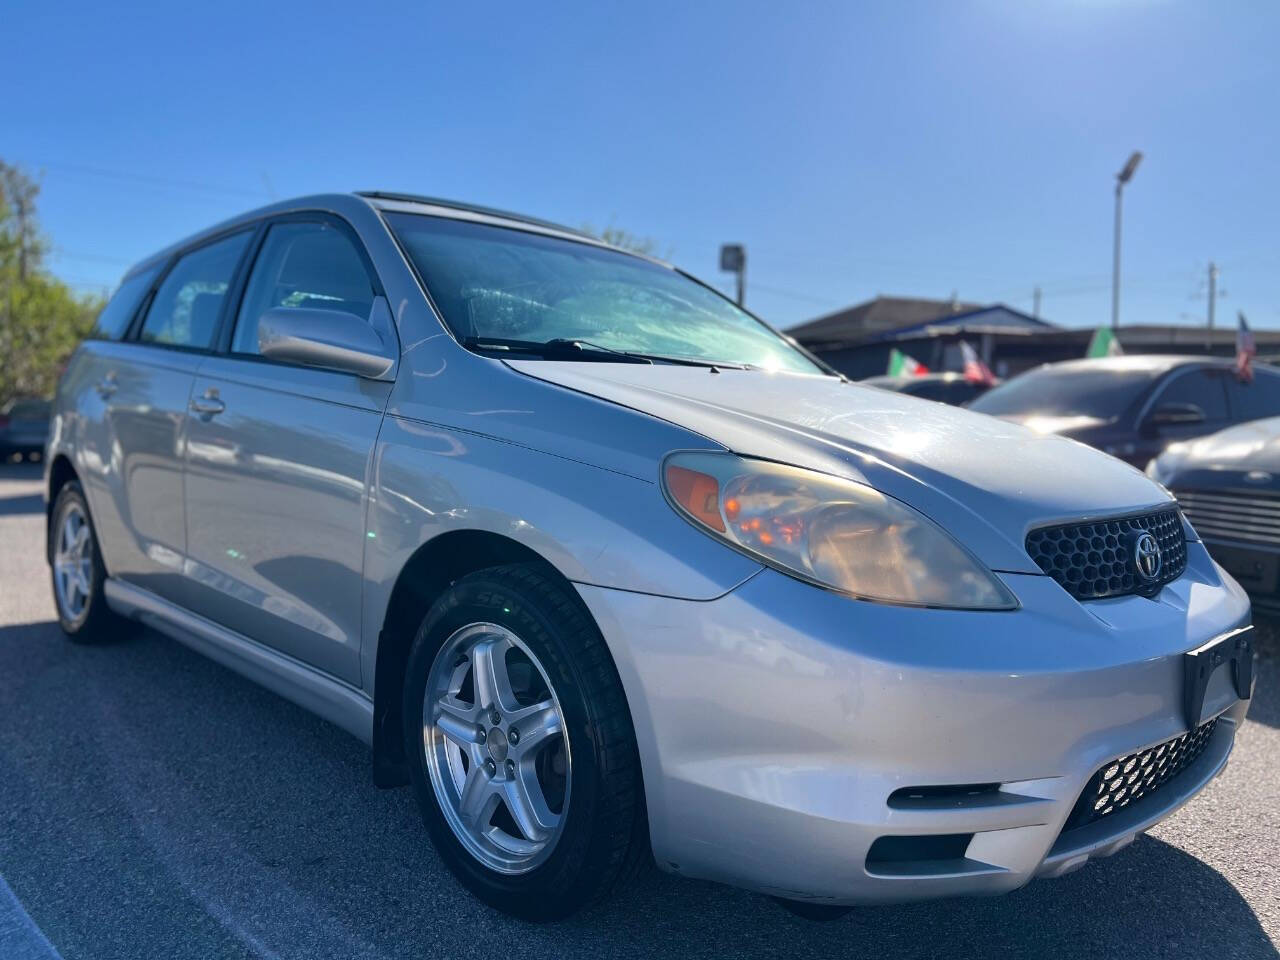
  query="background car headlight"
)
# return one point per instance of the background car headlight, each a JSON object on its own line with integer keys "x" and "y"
{"x": 833, "y": 532}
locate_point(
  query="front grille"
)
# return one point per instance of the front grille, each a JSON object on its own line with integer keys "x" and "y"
{"x": 1138, "y": 775}
{"x": 1095, "y": 560}
{"x": 1247, "y": 515}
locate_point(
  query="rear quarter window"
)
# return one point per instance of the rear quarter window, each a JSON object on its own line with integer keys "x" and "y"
{"x": 114, "y": 319}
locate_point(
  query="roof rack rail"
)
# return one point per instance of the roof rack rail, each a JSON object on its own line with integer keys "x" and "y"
{"x": 472, "y": 208}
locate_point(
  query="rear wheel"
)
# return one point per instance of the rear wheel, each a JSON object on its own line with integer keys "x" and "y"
{"x": 77, "y": 570}
{"x": 520, "y": 745}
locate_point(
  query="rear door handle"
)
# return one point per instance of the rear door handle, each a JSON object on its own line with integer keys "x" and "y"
{"x": 208, "y": 405}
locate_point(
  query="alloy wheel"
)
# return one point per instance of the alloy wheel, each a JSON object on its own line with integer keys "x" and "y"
{"x": 73, "y": 563}
{"x": 496, "y": 748}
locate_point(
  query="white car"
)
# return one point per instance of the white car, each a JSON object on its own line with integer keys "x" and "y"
{"x": 611, "y": 571}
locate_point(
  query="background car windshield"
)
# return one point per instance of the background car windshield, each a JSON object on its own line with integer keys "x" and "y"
{"x": 1100, "y": 393}
{"x": 494, "y": 282}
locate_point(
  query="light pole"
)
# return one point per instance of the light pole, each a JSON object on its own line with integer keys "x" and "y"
{"x": 1123, "y": 177}
{"x": 733, "y": 259}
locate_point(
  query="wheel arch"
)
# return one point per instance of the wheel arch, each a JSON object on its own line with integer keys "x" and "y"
{"x": 61, "y": 472}
{"x": 428, "y": 572}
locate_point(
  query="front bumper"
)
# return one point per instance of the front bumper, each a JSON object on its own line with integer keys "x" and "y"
{"x": 775, "y": 722}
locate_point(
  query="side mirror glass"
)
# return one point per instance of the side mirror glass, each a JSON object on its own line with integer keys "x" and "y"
{"x": 1176, "y": 414}
{"x": 329, "y": 339}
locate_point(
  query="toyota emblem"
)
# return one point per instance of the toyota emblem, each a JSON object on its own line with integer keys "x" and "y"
{"x": 1146, "y": 556}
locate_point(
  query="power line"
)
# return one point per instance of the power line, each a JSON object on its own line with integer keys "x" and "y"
{"x": 64, "y": 254}
{"x": 149, "y": 180}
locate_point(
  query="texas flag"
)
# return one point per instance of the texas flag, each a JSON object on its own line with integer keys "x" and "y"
{"x": 1246, "y": 350}
{"x": 975, "y": 371}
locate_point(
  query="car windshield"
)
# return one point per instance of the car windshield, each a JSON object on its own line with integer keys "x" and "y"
{"x": 495, "y": 283}
{"x": 1098, "y": 392}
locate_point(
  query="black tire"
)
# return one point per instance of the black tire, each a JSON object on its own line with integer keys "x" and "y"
{"x": 604, "y": 837}
{"x": 96, "y": 623}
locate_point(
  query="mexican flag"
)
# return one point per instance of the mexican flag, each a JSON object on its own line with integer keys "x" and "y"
{"x": 1104, "y": 344}
{"x": 901, "y": 365}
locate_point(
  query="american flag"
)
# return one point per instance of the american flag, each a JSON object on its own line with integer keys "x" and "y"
{"x": 975, "y": 371}
{"x": 1246, "y": 350}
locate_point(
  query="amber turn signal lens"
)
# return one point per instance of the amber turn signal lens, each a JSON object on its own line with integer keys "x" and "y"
{"x": 698, "y": 493}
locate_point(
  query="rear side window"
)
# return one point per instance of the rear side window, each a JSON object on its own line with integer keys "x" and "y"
{"x": 185, "y": 310}
{"x": 1204, "y": 388}
{"x": 1253, "y": 401}
{"x": 114, "y": 319}
{"x": 311, "y": 265}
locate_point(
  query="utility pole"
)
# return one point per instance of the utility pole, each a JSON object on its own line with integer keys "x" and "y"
{"x": 1035, "y": 300}
{"x": 1213, "y": 302}
{"x": 1123, "y": 177}
{"x": 21, "y": 211}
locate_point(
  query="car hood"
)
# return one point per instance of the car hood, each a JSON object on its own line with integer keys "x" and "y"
{"x": 1253, "y": 446}
{"x": 1049, "y": 423}
{"x": 986, "y": 480}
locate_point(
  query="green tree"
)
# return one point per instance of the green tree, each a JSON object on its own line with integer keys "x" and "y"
{"x": 624, "y": 239}
{"x": 41, "y": 319}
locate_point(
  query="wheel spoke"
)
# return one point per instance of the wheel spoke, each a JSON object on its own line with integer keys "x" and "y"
{"x": 458, "y": 721}
{"x": 478, "y": 797}
{"x": 536, "y": 724}
{"x": 80, "y": 545}
{"x": 68, "y": 531}
{"x": 489, "y": 675}
{"x": 527, "y": 806}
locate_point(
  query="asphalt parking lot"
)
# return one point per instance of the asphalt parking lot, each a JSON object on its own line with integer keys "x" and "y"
{"x": 154, "y": 804}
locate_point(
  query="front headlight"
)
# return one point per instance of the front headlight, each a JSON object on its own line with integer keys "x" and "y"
{"x": 833, "y": 532}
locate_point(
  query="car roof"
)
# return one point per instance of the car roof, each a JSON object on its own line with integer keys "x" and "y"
{"x": 385, "y": 198}
{"x": 1154, "y": 363}
{"x": 389, "y": 201}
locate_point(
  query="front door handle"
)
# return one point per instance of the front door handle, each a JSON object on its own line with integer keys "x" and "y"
{"x": 107, "y": 386}
{"x": 208, "y": 405}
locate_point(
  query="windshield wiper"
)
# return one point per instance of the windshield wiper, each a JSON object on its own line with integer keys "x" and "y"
{"x": 566, "y": 348}
{"x": 558, "y": 349}
{"x": 692, "y": 361}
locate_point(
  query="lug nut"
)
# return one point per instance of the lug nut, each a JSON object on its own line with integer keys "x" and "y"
{"x": 496, "y": 717}
{"x": 513, "y": 736}
{"x": 481, "y": 734}
{"x": 511, "y": 768}
{"x": 491, "y": 767}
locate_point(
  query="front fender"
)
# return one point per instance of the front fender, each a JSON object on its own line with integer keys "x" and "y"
{"x": 596, "y": 526}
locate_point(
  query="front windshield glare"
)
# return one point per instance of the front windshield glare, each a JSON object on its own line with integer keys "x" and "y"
{"x": 495, "y": 283}
{"x": 1103, "y": 394}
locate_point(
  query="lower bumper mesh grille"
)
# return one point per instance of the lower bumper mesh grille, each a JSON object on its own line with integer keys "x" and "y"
{"x": 1137, "y": 775}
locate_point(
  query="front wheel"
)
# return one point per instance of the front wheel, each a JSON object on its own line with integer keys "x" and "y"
{"x": 520, "y": 745}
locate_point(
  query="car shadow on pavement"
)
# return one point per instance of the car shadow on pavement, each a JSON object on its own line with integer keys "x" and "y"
{"x": 155, "y": 804}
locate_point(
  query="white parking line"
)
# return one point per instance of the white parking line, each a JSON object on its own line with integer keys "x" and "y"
{"x": 20, "y": 938}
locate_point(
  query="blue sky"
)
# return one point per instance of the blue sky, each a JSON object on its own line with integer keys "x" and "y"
{"x": 910, "y": 148}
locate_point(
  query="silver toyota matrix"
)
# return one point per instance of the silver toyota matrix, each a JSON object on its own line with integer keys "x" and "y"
{"x": 610, "y": 571}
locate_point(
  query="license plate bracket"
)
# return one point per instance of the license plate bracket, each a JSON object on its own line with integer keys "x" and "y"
{"x": 1198, "y": 665}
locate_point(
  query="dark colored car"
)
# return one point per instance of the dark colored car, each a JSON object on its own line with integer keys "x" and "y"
{"x": 24, "y": 426}
{"x": 950, "y": 388}
{"x": 1132, "y": 407}
{"x": 1228, "y": 485}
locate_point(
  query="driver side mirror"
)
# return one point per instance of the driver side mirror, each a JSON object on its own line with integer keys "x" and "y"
{"x": 1176, "y": 414}
{"x": 330, "y": 339}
